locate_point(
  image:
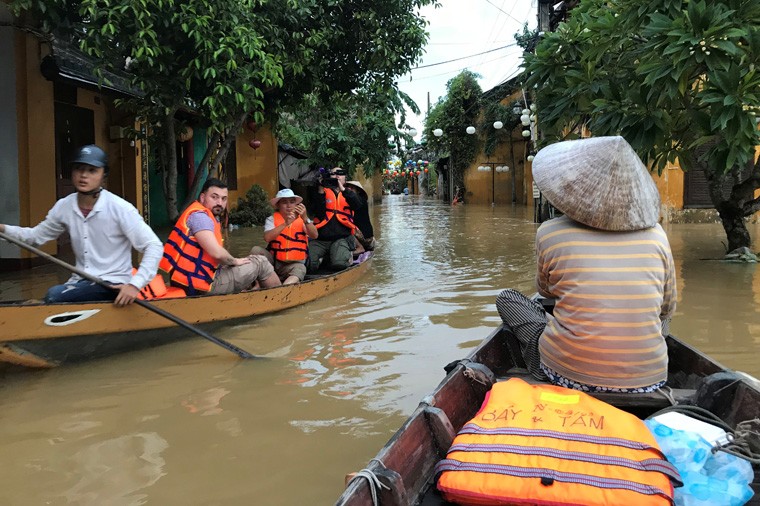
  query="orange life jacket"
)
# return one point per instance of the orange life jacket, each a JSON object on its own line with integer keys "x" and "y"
{"x": 157, "y": 289}
{"x": 336, "y": 205}
{"x": 548, "y": 445}
{"x": 292, "y": 243}
{"x": 184, "y": 260}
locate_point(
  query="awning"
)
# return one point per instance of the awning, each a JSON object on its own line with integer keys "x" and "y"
{"x": 68, "y": 64}
{"x": 292, "y": 151}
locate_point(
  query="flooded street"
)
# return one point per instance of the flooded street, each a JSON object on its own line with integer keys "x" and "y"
{"x": 188, "y": 423}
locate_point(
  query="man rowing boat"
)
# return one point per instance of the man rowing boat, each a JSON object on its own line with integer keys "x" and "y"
{"x": 103, "y": 229}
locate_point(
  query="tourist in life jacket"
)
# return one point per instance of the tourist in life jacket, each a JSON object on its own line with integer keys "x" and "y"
{"x": 103, "y": 228}
{"x": 365, "y": 234}
{"x": 195, "y": 257}
{"x": 333, "y": 210}
{"x": 287, "y": 233}
{"x": 608, "y": 265}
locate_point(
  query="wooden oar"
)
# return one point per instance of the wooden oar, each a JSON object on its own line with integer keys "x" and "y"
{"x": 224, "y": 344}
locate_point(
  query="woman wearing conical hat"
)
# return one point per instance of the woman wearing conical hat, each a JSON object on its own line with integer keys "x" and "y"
{"x": 365, "y": 233}
{"x": 608, "y": 265}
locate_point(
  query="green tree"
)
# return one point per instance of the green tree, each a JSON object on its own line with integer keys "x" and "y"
{"x": 346, "y": 130}
{"x": 677, "y": 78}
{"x": 229, "y": 59}
{"x": 453, "y": 113}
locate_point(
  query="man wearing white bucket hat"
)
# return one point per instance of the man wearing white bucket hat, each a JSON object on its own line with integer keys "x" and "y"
{"x": 287, "y": 233}
{"x": 608, "y": 265}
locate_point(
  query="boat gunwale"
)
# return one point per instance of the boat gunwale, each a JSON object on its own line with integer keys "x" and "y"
{"x": 408, "y": 486}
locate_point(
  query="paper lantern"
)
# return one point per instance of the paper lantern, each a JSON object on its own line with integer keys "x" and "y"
{"x": 254, "y": 143}
{"x": 186, "y": 134}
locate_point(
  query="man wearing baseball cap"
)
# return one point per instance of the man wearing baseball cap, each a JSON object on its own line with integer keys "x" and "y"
{"x": 104, "y": 228}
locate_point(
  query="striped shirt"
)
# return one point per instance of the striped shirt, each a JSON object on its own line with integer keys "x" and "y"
{"x": 613, "y": 292}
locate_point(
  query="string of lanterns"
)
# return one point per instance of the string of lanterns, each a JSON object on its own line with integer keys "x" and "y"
{"x": 408, "y": 169}
{"x": 527, "y": 119}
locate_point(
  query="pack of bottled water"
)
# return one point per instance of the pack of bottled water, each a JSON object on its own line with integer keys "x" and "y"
{"x": 709, "y": 477}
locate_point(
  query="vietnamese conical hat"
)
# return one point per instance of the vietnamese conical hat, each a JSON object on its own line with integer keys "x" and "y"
{"x": 600, "y": 182}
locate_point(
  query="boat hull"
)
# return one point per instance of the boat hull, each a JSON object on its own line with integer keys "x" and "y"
{"x": 47, "y": 335}
{"x": 406, "y": 463}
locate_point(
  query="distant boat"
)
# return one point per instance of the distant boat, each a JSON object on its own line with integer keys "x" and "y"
{"x": 49, "y": 335}
{"x": 406, "y": 463}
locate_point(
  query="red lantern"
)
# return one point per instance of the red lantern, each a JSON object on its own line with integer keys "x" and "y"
{"x": 417, "y": 173}
{"x": 254, "y": 143}
{"x": 425, "y": 170}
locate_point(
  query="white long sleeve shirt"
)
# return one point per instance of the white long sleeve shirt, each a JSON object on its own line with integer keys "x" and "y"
{"x": 103, "y": 241}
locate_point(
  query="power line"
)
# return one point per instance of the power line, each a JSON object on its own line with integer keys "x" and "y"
{"x": 505, "y": 12}
{"x": 456, "y": 70}
{"x": 463, "y": 57}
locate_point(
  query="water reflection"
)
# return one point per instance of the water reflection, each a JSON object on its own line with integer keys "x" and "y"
{"x": 191, "y": 424}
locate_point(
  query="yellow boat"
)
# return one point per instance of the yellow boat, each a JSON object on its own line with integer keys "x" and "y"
{"x": 49, "y": 335}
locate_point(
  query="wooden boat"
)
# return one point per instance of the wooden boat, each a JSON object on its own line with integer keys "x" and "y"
{"x": 406, "y": 463}
{"x": 48, "y": 335}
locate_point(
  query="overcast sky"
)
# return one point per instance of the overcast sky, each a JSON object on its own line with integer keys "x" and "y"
{"x": 462, "y": 28}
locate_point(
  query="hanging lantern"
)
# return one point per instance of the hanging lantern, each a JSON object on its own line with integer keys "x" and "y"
{"x": 526, "y": 133}
{"x": 526, "y": 111}
{"x": 437, "y": 132}
{"x": 525, "y": 119}
{"x": 426, "y": 170}
{"x": 533, "y": 107}
{"x": 498, "y": 125}
{"x": 186, "y": 134}
{"x": 530, "y": 158}
{"x": 470, "y": 130}
{"x": 254, "y": 143}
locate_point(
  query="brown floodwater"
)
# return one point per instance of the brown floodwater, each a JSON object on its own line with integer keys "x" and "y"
{"x": 190, "y": 424}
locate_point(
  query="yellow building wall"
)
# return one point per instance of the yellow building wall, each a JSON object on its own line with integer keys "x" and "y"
{"x": 670, "y": 184}
{"x": 36, "y": 136}
{"x": 255, "y": 166}
{"x": 496, "y": 187}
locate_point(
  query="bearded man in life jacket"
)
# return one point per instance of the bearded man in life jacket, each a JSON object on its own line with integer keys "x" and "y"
{"x": 195, "y": 257}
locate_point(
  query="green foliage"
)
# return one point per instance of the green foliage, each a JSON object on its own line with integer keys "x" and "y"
{"x": 677, "y": 78}
{"x": 459, "y": 109}
{"x": 226, "y": 58}
{"x": 346, "y": 131}
{"x": 253, "y": 209}
{"x": 492, "y": 111}
{"x": 668, "y": 75}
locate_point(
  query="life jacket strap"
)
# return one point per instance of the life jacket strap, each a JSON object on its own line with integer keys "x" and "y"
{"x": 549, "y": 476}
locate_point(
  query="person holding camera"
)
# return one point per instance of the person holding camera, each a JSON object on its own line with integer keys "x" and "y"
{"x": 333, "y": 210}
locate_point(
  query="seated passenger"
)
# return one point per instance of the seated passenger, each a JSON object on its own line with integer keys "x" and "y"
{"x": 103, "y": 228}
{"x": 333, "y": 210}
{"x": 195, "y": 258}
{"x": 608, "y": 265}
{"x": 287, "y": 233}
{"x": 365, "y": 234}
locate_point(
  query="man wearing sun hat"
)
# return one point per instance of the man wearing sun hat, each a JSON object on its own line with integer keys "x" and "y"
{"x": 287, "y": 233}
{"x": 608, "y": 265}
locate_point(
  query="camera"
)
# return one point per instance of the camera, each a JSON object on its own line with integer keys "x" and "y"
{"x": 329, "y": 181}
